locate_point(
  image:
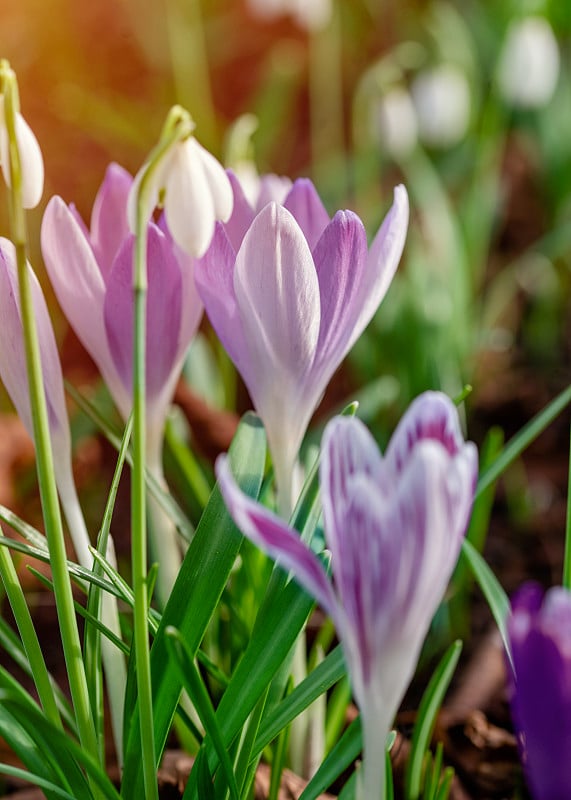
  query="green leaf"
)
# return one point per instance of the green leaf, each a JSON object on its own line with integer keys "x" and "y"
{"x": 195, "y": 595}
{"x": 431, "y": 702}
{"x": 339, "y": 759}
{"x": 49, "y": 787}
{"x": 323, "y": 677}
{"x": 523, "y": 439}
{"x": 496, "y": 597}
{"x": 192, "y": 682}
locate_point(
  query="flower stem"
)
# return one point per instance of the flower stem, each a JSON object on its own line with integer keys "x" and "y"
{"x": 138, "y": 508}
{"x": 177, "y": 126}
{"x": 44, "y": 458}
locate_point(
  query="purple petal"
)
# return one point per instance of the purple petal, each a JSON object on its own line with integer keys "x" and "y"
{"x": 109, "y": 224}
{"x": 271, "y": 534}
{"x": 242, "y": 214}
{"x": 164, "y": 298}
{"x": 394, "y": 541}
{"x": 273, "y": 188}
{"x": 277, "y": 292}
{"x": 75, "y": 277}
{"x": 340, "y": 257}
{"x": 13, "y": 359}
{"x": 541, "y": 704}
{"x": 383, "y": 260}
{"x": 214, "y": 276}
{"x": 278, "y": 297}
{"x": 306, "y": 206}
{"x": 432, "y": 415}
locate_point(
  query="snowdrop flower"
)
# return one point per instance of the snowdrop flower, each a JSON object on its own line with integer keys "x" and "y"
{"x": 31, "y": 160}
{"x": 529, "y": 64}
{"x": 195, "y": 191}
{"x": 441, "y": 97}
{"x": 539, "y": 630}
{"x": 92, "y": 275}
{"x": 312, "y": 15}
{"x": 288, "y": 292}
{"x": 394, "y": 121}
{"x": 394, "y": 526}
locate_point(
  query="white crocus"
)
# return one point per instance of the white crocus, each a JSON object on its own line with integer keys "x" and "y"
{"x": 194, "y": 190}
{"x": 529, "y": 64}
{"x": 32, "y": 163}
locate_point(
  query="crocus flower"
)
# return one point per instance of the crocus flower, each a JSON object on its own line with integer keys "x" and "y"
{"x": 31, "y": 160}
{"x": 195, "y": 191}
{"x": 14, "y": 376}
{"x": 539, "y": 630}
{"x": 394, "y": 526}
{"x": 288, "y": 292}
{"x": 91, "y": 272}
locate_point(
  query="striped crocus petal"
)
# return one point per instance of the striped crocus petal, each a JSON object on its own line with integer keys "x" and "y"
{"x": 271, "y": 534}
{"x": 305, "y": 205}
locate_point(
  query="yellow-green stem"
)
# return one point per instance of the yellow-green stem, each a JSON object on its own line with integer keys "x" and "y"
{"x": 44, "y": 457}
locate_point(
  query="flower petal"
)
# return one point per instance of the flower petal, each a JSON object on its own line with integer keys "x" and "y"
{"x": 340, "y": 258}
{"x": 198, "y": 193}
{"x": 384, "y": 257}
{"x": 306, "y": 206}
{"x": 31, "y": 161}
{"x": 109, "y": 224}
{"x": 75, "y": 277}
{"x": 214, "y": 276}
{"x": 13, "y": 359}
{"x": 432, "y": 415}
{"x": 277, "y": 293}
{"x": 540, "y": 639}
{"x": 272, "y": 535}
{"x": 164, "y": 298}
{"x": 242, "y": 213}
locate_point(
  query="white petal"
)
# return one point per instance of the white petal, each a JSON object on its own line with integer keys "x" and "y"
{"x": 31, "y": 160}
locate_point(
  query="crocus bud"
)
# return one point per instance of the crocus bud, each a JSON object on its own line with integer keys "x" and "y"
{"x": 539, "y": 630}
{"x": 394, "y": 526}
{"x": 31, "y": 161}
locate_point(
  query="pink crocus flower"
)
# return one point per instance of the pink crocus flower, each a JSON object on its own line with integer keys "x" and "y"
{"x": 394, "y": 526}
{"x": 288, "y": 292}
{"x": 92, "y": 275}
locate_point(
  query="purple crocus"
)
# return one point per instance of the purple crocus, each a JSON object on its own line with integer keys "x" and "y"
{"x": 394, "y": 526}
{"x": 14, "y": 376}
{"x": 91, "y": 272}
{"x": 539, "y": 630}
{"x": 288, "y": 292}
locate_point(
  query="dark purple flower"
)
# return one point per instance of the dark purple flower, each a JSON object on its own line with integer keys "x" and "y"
{"x": 539, "y": 630}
